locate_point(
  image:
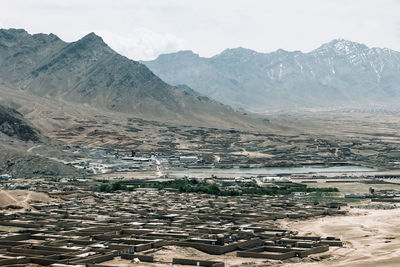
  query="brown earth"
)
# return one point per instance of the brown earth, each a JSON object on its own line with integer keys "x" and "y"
{"x": 371, "y": 238}
{"x": 21, "y": 198}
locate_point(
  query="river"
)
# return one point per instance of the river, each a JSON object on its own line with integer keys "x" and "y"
{"x": 309, "y": 169}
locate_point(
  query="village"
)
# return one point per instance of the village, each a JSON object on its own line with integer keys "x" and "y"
{"x": 200, "y": 222}
{"x": 80, "y": 226}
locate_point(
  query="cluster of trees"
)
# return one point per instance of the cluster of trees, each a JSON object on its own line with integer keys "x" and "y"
{"x": 286, "y": 191}
{"x": 194, "y": 186}
{"x": 107, "y": 187}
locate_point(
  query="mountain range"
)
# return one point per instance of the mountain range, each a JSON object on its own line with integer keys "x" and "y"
{"x": 89, "y": 72}
{"x": 49, "y": 87}
{"x": 340, "y": 73}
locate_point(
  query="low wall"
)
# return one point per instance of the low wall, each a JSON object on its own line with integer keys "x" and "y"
{"x": 218, "y": 250}
{"x": 265, "y": 253}
{"x": 197, "y": 262}
{"x": 95, "y": 259}
{"x": 14, "y": 261}
{"x": 144, "y": 258}
{"x": 22, "y": 225}
{"x": 305, "y": 253}
{"x": 55, "y": 249}
{"x": 17, "y": 237}
{"x": 9, "y": 243}
{"x": 272, "y": 256}
{"x": 35, "y": 252}
{"x": 280, "y": 253}
{"x": 143, "y": 247}
{"x": 131, "y": 241}
{"x": 332, "y": 243}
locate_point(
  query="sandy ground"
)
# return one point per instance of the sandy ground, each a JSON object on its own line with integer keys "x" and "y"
{"x": 358, "y": 188}
{"x": 371, "y": 237}
{"x": 21, "y": 198}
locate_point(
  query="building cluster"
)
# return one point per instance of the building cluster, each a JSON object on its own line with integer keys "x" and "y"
{"x": 101, "y": 161}
{"x": 84, "y": 227}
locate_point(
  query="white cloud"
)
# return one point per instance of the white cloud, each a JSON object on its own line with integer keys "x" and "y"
{"x": 141, "y": 29}
{"x": 142, "y": 43}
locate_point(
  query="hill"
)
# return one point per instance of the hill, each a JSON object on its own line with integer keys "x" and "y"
{"x": 16, "y": 134}
{"x": 13, "y": 124}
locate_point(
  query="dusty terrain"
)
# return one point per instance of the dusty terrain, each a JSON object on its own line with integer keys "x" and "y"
{"x": 21, "y": 199}
{"x": 361, "y": 137}
{"x": 372, "y": 237}
{"x": 356, "y": 187}
{"x": 357, "y": 139}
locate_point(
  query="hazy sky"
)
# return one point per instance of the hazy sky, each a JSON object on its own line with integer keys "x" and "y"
{"x": 143, "y": 29}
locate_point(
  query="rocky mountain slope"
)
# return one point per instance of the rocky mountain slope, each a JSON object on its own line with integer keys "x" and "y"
{"x": 88, "y": 71}
{"x": 13, "y": 124}
{"x": 16, "y": 135}
{"x": 339, "y": 73}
